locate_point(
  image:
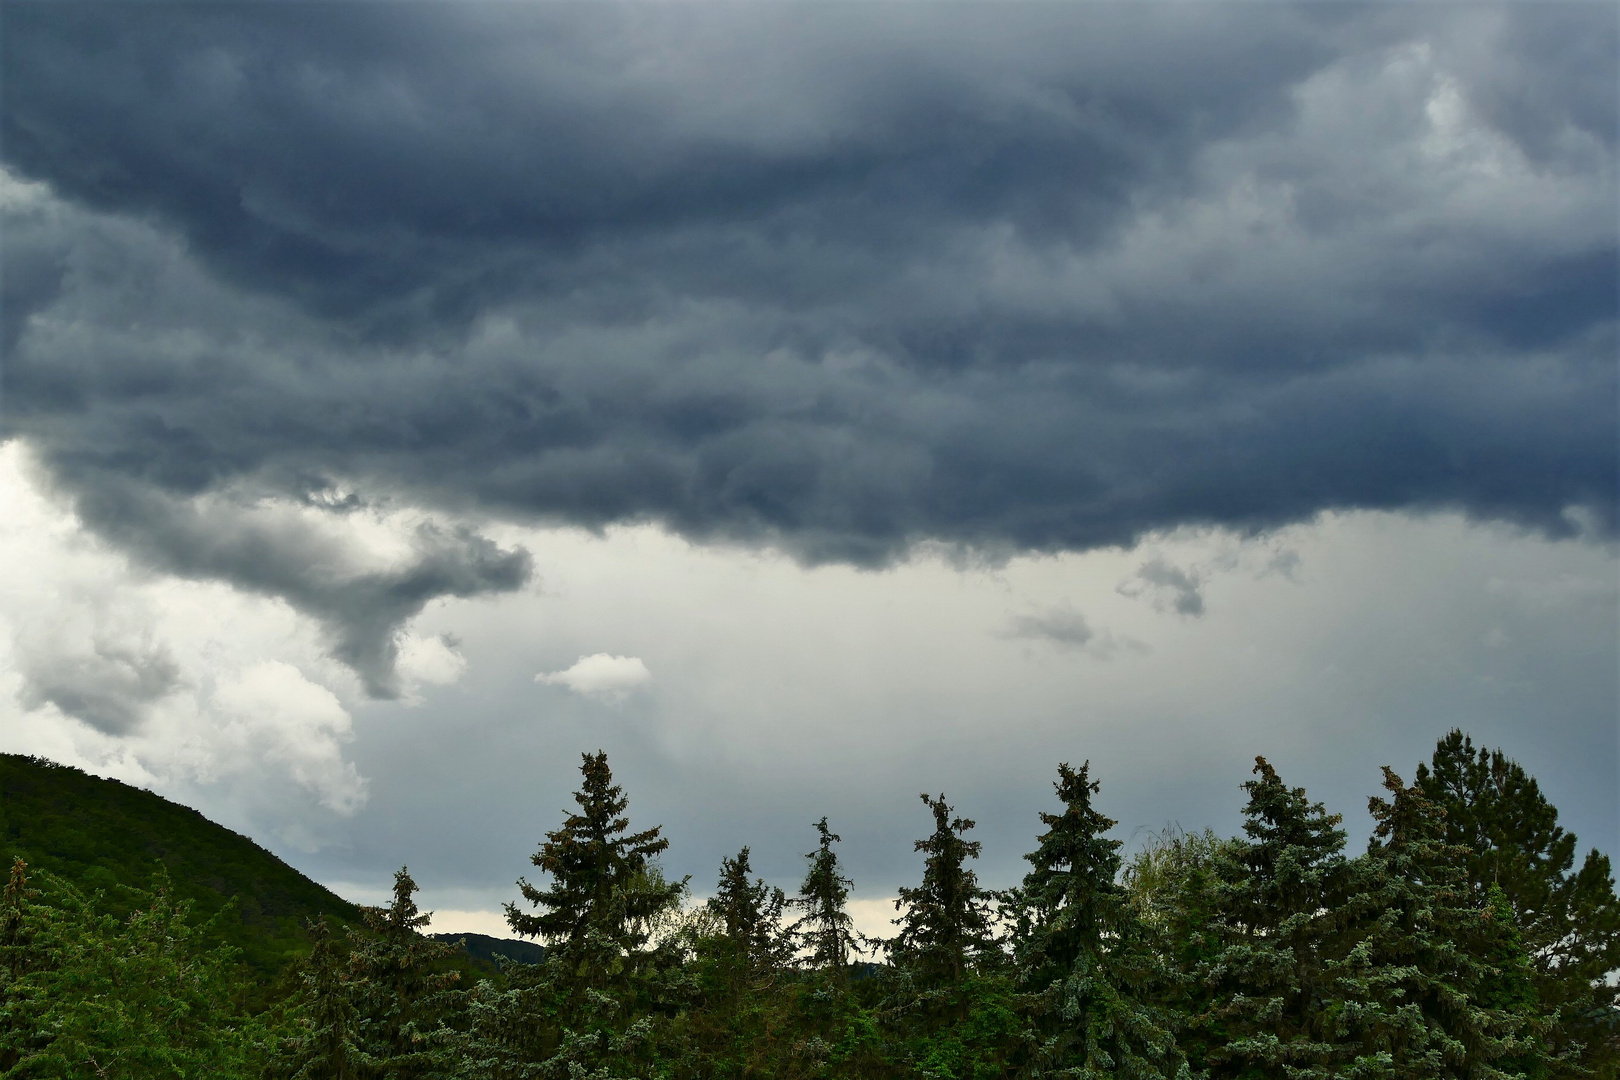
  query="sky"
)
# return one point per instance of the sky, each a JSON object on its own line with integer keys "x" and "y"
{"x": 810, "y": 404}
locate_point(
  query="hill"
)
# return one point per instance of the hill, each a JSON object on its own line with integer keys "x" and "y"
{"x": 100, "y": 834}
{"x": 485, "y": 948}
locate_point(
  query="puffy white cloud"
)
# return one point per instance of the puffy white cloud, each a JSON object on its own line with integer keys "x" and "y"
{"x": 219, "y": 697}
{"x": 601, "y": 675}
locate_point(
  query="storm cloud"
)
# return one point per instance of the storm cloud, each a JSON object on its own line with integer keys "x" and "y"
{"x": 832, "y": 278}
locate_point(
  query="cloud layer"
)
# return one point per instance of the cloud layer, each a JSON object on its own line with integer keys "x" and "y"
{"x": 840, "y": 279}
{"x": 1213, "y": 379}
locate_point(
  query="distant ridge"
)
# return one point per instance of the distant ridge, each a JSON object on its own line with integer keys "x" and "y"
{"x": 484, "y": 947}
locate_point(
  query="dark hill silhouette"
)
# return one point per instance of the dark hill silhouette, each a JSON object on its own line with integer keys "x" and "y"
{"x": 99, "y": 834}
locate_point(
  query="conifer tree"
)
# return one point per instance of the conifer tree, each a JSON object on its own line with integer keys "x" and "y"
{"x": 401, "y": 997}
{"x": 826, "y": 928}
{"x": 324, "y": 1045}
{"x": 751, "y": 913}
{"x": 1569, "y": 920}
{"x": 1435, "y": 980}
{"x": 1278, "y": 906}
{"x": 951, "y": 1003}
{"x": 605, "y": 890}
{"x": 1081, "y": 951}
{"x": 595, "y": 1007}
{"x": 946, "y": 922}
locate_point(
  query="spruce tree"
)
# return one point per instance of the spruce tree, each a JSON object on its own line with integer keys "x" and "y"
{"x": 596, "y": 1006}
{"x": 826, "y": 928}
{"x": 751, "y": 914}
{"x": 1278, "y": 909}
{"x": 946, "y": 923}
{"x": 401, "y": 996}
{"x": 325, "y": 1043}
{"x": 1569, "y": 920}
{"x": 1081, "y": 952}
{"x": 1436, "y": 979}
{"x": 950, "y": 1001}
{"x": 605, "y": 889}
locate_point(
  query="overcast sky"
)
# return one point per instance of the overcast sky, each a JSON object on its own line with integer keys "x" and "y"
{"x": 811, "y": 405}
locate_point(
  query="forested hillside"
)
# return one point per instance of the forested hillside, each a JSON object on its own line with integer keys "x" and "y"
{"x": 1470, "y": 940}
{"x": 100, "y": 833}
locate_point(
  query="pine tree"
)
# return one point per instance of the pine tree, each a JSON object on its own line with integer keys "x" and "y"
{"x": 946, "y": 922}
{"x": 951, "y": 1002}
{"x": 1278, "y": 906}
{"x": 751, "y": 913}
{"x": 1081, "y": 952}
{"x": 1435, "y": 978}
{"x": 401, "y": 997}
{"x": 325, "y": 1045}
{"x": 605, "y": 890}
{"x": 1569, "y": 920}
{"x": 596, "y": 1006}
{"x": 826, "y": 928}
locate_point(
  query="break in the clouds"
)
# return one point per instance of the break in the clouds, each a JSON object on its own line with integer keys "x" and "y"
{"x": 836, "y": 278}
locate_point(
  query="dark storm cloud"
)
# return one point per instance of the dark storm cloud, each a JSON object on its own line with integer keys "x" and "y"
{"x": 834, "y": 277}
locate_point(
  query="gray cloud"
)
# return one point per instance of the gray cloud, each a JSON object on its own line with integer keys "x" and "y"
{"x": 108, "y": 687}
{"x": 840, "y": 279}
{"x": 1064, "y": 626}
{"x": 1171, "y": 587}
{"x": 361, "y": 607}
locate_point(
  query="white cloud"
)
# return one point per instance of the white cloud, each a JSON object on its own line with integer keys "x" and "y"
{"x": 433, "y": 660}
{"x": 600, "y": 675}
{"x": 225, "y": 700}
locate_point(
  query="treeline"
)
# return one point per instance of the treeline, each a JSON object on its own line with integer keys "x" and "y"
{"x": 1465, "y": 942}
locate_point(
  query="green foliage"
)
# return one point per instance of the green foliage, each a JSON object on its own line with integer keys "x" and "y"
{"x": 946, "y": 922}
{"x": 1465, "y": 943}
{"x": 825, "y": 928}
{"x": 97, "y": 833}
{"x": 84, "y": 992}
{"x": 599, "y": 1003}
{"x": 1509, "y": 840}
{"x": 1427, "y": 999}
{"x": 1275, "y": 915}
{"x": 1082, "y": 953}
{"x": 605, "y": 892}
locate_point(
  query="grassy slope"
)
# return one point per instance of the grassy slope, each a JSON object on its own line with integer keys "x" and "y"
{"x": 101, "y": 833}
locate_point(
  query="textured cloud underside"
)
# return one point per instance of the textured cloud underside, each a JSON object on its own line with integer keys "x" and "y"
{"x": 832, "y": 278}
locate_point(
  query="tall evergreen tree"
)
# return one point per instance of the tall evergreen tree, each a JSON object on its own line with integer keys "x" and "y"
{"x": 946, "y": 923}
{"x": 402, "y": 995}
{"x": 825, "y": 928}
{"x": 1278, "y": 906}
{"x": 1436, "y": 978}
{"x": 596, "y": 1007}
{"x": 1569, "y": 919}
{"x": 605, "y": 891}
{"x": 324, "y": 1044}
{"x": 951, "y": 1003}
{"x": 1081, "y": 951}
{"x": 751, "y": 913}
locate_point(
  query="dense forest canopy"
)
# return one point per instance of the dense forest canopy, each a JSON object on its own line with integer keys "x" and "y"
{"x": 1469, "y": 940}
